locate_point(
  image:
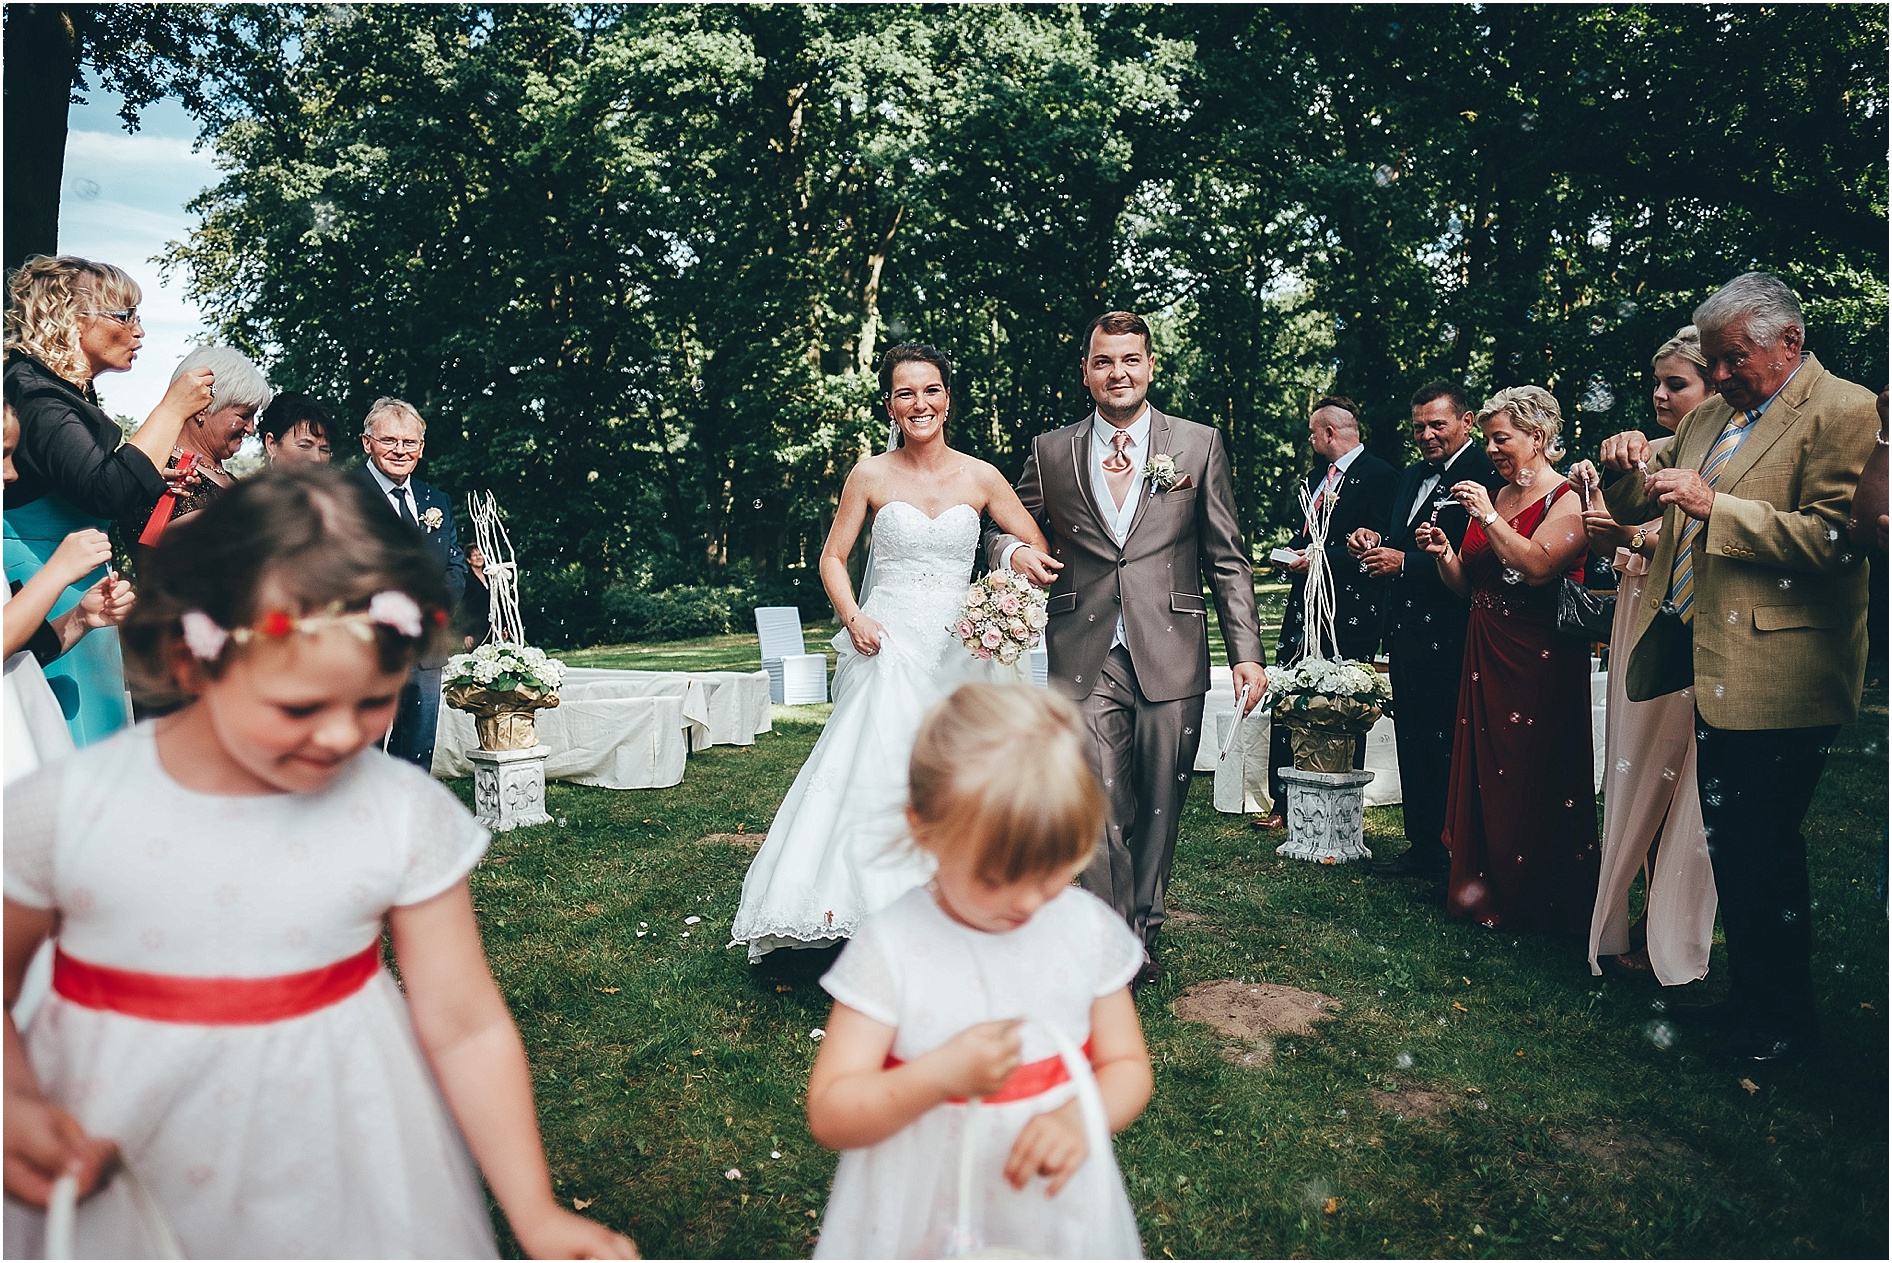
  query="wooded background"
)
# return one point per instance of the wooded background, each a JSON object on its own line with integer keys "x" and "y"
{"x": 635, "y": 264}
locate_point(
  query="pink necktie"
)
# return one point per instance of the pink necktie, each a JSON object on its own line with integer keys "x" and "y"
{"x": 1119, "y": 473}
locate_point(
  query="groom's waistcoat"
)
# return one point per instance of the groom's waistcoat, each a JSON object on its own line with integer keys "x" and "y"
{"x": 1178, "y": 539}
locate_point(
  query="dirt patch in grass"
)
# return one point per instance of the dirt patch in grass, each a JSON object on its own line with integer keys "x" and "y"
{"x": 1411, "y": 1103}
{"x": 750, "y": 842}
{"x": 1251, "y": 1014}
{"x": 1182, "y": 918}
{"x": 1621, "y": 1148}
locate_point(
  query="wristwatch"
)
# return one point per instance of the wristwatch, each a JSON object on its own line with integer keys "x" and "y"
{"x": 1489, "y": 518}
{"x": 1636, "y": 541}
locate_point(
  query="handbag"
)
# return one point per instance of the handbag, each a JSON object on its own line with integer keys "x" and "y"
{"x": 1583, "y": 613}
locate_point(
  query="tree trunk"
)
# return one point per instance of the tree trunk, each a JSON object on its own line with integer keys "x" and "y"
{"x": 870, "y": 295}
{"x": 42, "y": 52}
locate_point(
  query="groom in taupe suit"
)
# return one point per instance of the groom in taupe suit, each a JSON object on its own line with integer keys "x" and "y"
{"x": 1128, "y": 636}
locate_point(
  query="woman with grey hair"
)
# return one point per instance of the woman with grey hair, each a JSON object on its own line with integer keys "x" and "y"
{"x": 1520, "y": 813}
{"x": 214, "y": 434}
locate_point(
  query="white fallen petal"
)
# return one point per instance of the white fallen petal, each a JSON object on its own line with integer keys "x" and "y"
{"x": 691, "y": 920}
{"x": 817, "y": 1034}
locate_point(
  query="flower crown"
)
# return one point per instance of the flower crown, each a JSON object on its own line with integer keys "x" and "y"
{"x": 206, "y": 638}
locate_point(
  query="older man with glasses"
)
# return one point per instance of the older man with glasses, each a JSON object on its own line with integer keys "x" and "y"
{"x": 394, "y": 436}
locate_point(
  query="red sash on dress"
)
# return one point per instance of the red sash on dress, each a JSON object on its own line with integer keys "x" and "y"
{"x": 1028, "y": 1080}
{"x": 212, "y": 1001}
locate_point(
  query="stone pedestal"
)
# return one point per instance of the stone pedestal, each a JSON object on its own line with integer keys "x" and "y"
{"x": 1324, "y": 812}
{"x": 509, "y": 787}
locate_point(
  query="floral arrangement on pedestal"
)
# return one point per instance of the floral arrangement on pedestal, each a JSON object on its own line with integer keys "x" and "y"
{"x": 503, "y": 681}
{"x": 501, "y": 685}
{"x": 1326, "y": 702}
{"x": 1326, "y": 705}
{"x": 1004, "y": 617}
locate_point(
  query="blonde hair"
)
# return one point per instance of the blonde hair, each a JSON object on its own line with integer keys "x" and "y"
{"x": 46, "y": 296}
{"x": 1533, "y": 410}
{"x": 1002, "y": 769}
{"x": 1687, "y": 344}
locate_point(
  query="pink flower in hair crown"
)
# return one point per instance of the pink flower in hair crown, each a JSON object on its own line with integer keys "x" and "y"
{"x": 202, "y": 635}
{"x": 397, "y": 610}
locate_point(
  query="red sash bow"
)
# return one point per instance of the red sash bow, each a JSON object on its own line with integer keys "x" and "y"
{"x": 1028, "y": 1080}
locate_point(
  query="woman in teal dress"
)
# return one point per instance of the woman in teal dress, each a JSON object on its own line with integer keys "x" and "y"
{"x": 68, "y": 320}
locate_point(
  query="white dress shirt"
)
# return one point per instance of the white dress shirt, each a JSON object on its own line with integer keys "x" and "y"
{"x": 389, "y": 488}
{"x": 1424, "y": 495}
{"x": 1118, "y": 517}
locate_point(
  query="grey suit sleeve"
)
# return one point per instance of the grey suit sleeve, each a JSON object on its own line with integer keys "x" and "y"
{"x": 1225, "y": 558}
{"x": 1030, "y": 490}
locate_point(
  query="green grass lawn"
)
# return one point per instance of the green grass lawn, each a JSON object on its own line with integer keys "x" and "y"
{"x": 1565, "y": 1123}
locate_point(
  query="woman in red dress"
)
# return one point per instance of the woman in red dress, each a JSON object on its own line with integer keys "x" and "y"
{"x": 1521, "y": 809}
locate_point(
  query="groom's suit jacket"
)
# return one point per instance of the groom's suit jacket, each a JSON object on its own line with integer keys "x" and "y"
{"x": 1177, "y": 539}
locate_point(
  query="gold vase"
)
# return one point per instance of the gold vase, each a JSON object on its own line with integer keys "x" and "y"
{"x": 1325, "y": 731}
{"x": 503, "y": 720}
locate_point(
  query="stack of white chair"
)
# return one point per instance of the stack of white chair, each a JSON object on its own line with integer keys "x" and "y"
{"x": 796, "y": 677}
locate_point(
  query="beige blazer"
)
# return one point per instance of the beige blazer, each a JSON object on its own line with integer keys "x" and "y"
{"x": 1780, "y": 594}
{"x": 1177, "y": 539}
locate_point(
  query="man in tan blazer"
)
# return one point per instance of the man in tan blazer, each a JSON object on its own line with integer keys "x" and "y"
{"x": 1765, "y": 614}
{"x": 1139, "y": 510}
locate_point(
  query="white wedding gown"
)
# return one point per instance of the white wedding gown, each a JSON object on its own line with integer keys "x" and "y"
{"x": 838, "y": 848}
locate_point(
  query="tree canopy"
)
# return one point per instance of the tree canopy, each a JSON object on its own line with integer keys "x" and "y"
{"x": 635, "y": 263}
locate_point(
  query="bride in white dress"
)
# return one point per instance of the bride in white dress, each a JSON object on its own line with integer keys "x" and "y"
{"x": 837, "y": 849}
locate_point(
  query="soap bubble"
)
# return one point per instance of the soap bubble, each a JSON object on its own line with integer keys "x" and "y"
{"x": 1384, "y": 175}
{"x": 1626, "y": 309}
{"x": 1448, "y": 334}
{"x": 1597, "y": 396}
{"x": 1598, "y": 324}
{"x": 1660, "y": 1033}
{"x": 1528, "y": 122}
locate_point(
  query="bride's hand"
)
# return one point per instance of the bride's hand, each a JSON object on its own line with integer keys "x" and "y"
{"x": 865, "y": 633}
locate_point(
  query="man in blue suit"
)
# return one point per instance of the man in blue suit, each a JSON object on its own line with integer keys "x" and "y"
{"x": 394, "y": 436}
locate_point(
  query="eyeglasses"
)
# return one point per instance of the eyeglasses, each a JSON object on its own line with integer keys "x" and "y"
{"x": 124, "y": 316}
{"x": 396, "y": 445}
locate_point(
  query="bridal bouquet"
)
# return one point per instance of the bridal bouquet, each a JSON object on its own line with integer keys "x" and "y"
{"x": 1004, "y": 615}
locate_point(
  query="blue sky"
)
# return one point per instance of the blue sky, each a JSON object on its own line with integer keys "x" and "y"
{"x": 122, "y": 201}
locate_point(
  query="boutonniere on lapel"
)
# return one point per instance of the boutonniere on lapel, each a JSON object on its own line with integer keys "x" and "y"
{"x": 1164, "y": 476}
{"x": 432, "y": 518}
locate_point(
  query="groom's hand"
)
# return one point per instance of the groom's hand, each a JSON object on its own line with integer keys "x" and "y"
{"x": 1039, "y": 567}
{"x": 1255, "y": 678}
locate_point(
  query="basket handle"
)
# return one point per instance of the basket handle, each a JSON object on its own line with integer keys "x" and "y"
{"x": 62, "y": 1216}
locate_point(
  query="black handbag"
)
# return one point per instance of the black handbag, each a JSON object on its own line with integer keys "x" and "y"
{"x": 1585, "y": 614}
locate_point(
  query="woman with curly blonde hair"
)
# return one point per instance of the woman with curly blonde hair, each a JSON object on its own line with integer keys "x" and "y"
{"x": 69, "y": 320}
{"x": 1520, "y": 813}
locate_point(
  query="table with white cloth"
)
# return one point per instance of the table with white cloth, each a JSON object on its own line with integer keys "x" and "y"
{"x": 627, "y": 729}
{"x": 1241, "y": 782}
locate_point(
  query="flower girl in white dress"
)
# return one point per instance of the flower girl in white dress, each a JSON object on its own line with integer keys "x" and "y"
{"x": 950, "y": 1075}
{"x": 831, "y": 857}
{"x": 216, "y": 883}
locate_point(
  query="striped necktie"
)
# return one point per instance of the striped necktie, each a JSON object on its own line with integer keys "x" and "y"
{"x": 1682, "y": 587}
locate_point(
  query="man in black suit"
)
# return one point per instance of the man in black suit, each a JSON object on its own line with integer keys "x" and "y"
{"x": 1364, "y": 486}
{"x": 394, "y": 436}
{"x": 1425, "y": 624}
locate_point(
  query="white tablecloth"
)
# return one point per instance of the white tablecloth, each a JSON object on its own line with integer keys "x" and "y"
{"x": 722, "y": 708}
{"x": 612, "y": 742}
{"x": 1242, "y": 783}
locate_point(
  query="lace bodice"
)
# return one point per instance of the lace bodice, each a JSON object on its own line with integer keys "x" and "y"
{"x": 912, "y": 550}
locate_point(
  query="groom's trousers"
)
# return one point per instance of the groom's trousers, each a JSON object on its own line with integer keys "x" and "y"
{"x": 1144, "y": 753}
